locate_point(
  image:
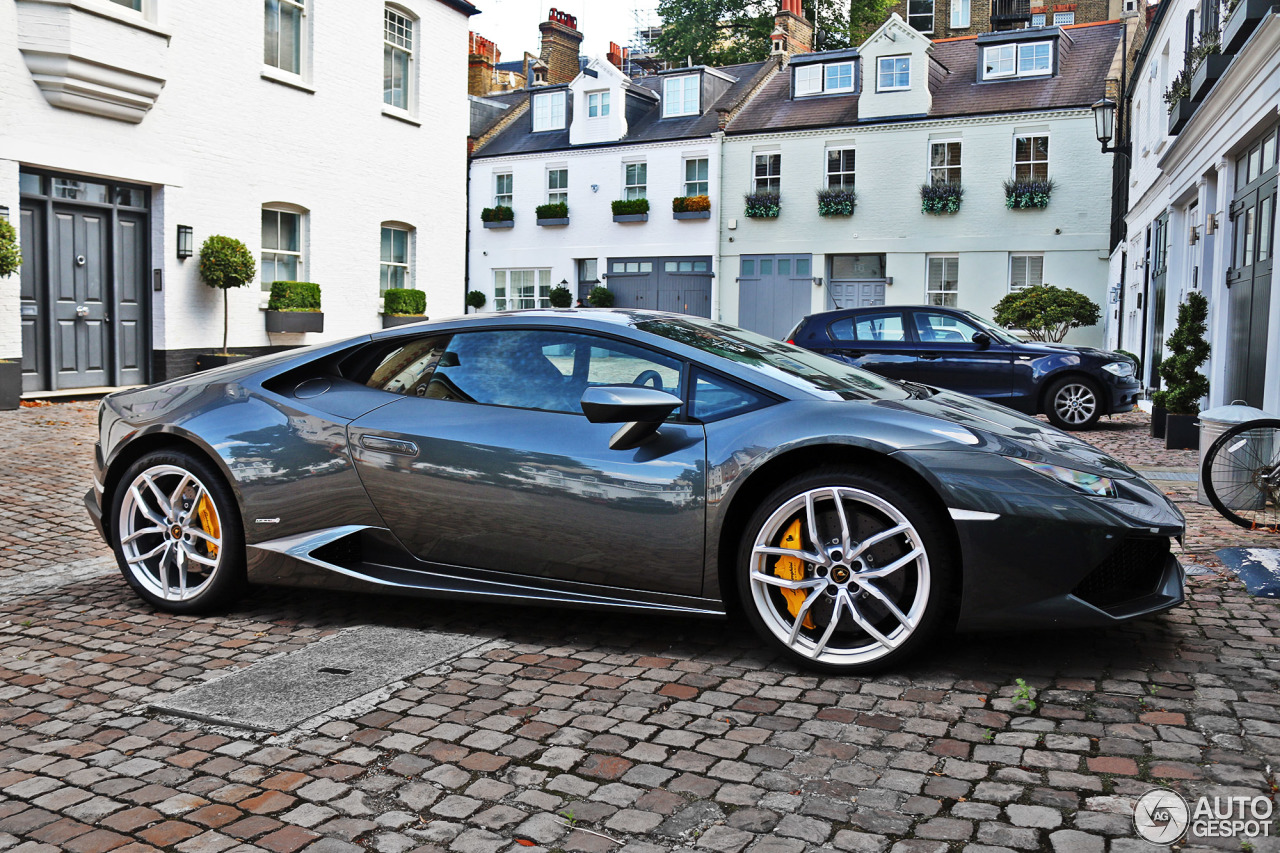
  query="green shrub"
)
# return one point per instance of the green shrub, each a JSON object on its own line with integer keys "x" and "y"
{"x": 1185, "y": 385}
{"x": 690, "y": 204}
{"x": 940, "y": 198}
{"x": 225, "y": 263}
{"x": 10, "y": 251}
{"x": 763, "y": 205}
{"x": 836, "y": 202}
{"x": 560, "y": 297}
{"x": 294, "y": 296}
{"x": 497, "y": 214}
{"x": 1046, "y": 312}
{"x": 404, "y": 301}
{"x": 1024, "y": 194}
{"x": 476, "y": 299}
{"x": 560, "y": 210}
{"x": 630, "y": 207}
{"x": 600, "y": 297}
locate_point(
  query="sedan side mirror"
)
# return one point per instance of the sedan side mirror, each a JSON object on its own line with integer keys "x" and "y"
{"x": 982, "y": 339}
{"x": 640, "y": 410}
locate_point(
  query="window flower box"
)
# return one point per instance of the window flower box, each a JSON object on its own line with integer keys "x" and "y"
{"x": 295, "y": 321}
{"x": 1024, "y": 195}
{"x": 498, "y": 217}
{"x": 553, "y": 214}
{"x": 691, "y": 207}
{"x": 762, "y": 205}
{"x": 1211, "y": 68}
{"x": 941, "y": 198}
{"x": 836, "y": 202}
{"x": 294, "y": 307}
{"x": 402, "y": 306}
{"x": 631, "y": 210}
{"x": 1179, "y": 114}
{"x": 1242, "y": 21}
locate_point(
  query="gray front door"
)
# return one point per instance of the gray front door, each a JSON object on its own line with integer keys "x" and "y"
{"x": 1158, "y": 253}
{"x": 77, "y": 285}
{"x": 1253, "y": 215}
{"x": 855, "y": 281}
{"x": 774, "y": 292}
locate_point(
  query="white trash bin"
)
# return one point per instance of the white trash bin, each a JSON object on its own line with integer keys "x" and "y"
{"x": 1214, "y": 423}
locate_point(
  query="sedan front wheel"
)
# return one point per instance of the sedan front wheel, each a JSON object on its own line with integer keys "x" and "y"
{"x": 845, "y": 571}
{"x": 1074, "y": 403}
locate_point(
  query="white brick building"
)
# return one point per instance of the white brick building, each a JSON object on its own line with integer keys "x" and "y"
{"x": 279, "y": 124}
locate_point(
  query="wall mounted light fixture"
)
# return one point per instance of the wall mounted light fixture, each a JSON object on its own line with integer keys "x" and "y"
{"x": 184, "y": 241}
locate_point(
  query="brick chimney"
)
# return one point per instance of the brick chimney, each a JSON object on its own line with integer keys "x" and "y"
{"x": 791, "y": 32}
{"x": 615, "y": 54}
{"x": 482, "y": 56}
{"x": 560, "y": 43}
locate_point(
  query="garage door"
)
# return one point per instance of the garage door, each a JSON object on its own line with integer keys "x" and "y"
{"x": 678, "y": 284}
{"x": 774, "y": 292}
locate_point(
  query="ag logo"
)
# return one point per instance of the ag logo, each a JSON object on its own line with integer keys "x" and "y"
{"x": 1161, "y": 816}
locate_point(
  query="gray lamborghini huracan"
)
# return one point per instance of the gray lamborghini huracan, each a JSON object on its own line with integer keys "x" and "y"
{"x": 628, "y": 460}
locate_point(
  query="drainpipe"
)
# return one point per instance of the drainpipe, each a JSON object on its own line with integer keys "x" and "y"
{"x": 717, "y": 280}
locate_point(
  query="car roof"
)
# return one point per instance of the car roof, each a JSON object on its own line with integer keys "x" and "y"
{"x": 837, "y": 313}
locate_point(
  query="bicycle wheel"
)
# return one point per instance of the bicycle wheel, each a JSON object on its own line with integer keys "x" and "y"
{"x": 1241, "y": 475}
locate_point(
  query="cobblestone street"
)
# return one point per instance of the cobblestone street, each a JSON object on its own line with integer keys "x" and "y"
{"x": 598, "y": 732}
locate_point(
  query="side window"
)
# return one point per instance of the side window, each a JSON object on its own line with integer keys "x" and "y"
{"x": 879, "y": 328}
{"x": 943, "y": 329}
{"x": 544, "y": 370}
{"x": 715, "y": 398}
{"x": 407, "y": 369}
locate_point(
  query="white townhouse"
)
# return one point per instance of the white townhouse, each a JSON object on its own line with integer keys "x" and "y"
{"x": 601, "y": 138}
{"x": 329, "y": 137}
{"x": 899, "y": 112}
{"x": 1202, "y": 193}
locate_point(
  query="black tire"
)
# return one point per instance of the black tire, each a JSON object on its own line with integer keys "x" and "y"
{"x": 1242, "y": 481}
{"x": 166, "y": 579}
{"x": 873, "y": 503}
{"x": 1073, "y": 402}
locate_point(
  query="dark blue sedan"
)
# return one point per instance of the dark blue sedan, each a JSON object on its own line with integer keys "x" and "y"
{"x": 962, "y": 352}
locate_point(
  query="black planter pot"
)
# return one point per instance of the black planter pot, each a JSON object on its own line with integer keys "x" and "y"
{"x": 295, "y": 321}
{"x": 1180, "y": 115}
{"x": 1213, "y": 67}
{"x": 10, "y": 385}
{"x": 210, "y": 360}
{"x": 1159, "y": 414}
{"x": 390, "y": 321}
{"x": 1181, "y": 433}
{"x": 1244, "y": 19}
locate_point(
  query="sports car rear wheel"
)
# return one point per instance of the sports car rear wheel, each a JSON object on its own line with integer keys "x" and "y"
{"x": 847, "y": 572}
{"x": 177, "y": 535}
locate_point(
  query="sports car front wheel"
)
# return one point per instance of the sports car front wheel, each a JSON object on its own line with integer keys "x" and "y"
{"x": 177, "y": 534}
{"x": 845, "y": 571}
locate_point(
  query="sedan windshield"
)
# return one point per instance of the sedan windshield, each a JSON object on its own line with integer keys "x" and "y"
{"x": 782, "y": 361}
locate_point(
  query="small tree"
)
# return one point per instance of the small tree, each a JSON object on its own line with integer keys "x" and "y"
{"x": 10, "y": 251}
{"x": 1046, "y": 312}
{"x": 1188, "y": 351}
{"x": 225, "y": 262}
{"x": 476, "y": 299}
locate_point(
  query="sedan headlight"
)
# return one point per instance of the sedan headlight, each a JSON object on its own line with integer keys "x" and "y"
{"x": 1081, "y": 481}
{"x": 1123, "y": 369}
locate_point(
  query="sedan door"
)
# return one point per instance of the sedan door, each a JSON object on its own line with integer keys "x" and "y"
{"x": 953, "y": 356}
{"x": 878, "y": 341}
{"x": 488, "y": 462}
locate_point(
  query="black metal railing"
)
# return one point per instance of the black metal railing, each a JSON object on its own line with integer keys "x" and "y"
{"x": 1010, "y": 11}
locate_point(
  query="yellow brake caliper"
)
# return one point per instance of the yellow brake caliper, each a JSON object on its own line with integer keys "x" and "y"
{"x": 209, "y": 521}
{"x": 792, "y": 569}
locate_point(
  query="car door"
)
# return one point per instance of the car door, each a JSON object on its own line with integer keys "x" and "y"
{"x": 951, "y": 358}
{"x": 879, "y": 341}
{"x": 487, "y": 461}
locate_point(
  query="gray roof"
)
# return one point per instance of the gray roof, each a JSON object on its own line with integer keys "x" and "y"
{"x": 487, "y": 111}
{"x": 644, "y": 117}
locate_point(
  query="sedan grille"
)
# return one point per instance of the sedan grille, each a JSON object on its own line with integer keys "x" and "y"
{"x": 1132, "y": 571}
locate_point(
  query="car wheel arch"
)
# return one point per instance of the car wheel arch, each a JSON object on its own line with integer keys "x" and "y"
{"x": 791, "y": 463}
{"x": 1046, "y": 382}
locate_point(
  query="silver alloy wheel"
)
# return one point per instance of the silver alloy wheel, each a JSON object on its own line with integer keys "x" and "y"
{"x": 1075, "y": 403}
{"x": 862, "y": 599}
{"x": 163, "y": 536}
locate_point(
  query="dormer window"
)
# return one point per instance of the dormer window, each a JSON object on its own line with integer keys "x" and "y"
{"x": 597, "y": 104}
{"x": 818, "y": 79}
{"x": 680, "y": 96}
{"x": 894, "y": 73}
{"x": 1017, "y": 60}
{"x": 548, "y": 111}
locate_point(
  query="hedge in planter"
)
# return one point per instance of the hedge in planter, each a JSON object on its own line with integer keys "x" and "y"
{"x": 940, "y": 198}
{"x": 497, "y": 214}
{"x": 554, "y": 212}
{"x": 294, "y": 306}
{"x": 1019, "y": 195}
{"x": 404, "y": 302}
{"x": 836, "y": 202}
{"x": 225, "y": 263}
{"x": 691, "y": 204}
{"x": 630, "y": 207}
{"x": 763, "y": 205}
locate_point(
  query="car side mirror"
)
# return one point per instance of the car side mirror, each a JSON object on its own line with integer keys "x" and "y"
{"x": 640, "y": 410}
{"x": 982, "y": 339}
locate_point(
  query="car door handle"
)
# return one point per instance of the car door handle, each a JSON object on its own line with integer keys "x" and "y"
{"x": 389, "y": 445}
{"x": 930, "y": 356}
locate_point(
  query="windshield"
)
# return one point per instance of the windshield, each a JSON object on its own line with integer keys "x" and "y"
{"x": 992, "y": 329}
{"x": 782, "y": 361}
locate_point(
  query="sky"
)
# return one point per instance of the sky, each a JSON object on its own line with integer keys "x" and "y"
{"x": 513, "y": 24}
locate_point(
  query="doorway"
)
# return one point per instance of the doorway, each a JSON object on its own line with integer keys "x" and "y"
{"x": 1253, "y": 214}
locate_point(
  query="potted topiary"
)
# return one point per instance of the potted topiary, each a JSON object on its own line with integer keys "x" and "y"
{"x": 10, "y": 263}
{"x": 225, "y": 263}
{"x": 691, "y": 207}
{"x": 835, "y": 201}
{"x": 762, "y": 205}
{"x": 1185, "y": 385}
{"x": 631, "y": 210}
{"x": 498, "y": 217}
{"x": 560, "y": 297}
{"x": 600, "y": 297}
{"x": 476, "y": 300}
{"x": 402, "y": 305}
{"x": 553, "y": 214}
{"x": 294, "y": 306}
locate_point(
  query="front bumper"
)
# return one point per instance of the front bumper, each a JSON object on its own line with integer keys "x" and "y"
{"x": 1123, "y": 394}
{"x": 93, "y": 504}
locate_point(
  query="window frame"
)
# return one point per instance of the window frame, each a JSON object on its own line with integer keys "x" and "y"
{"x": 961, "y": 22}
{"x": 846, "y": 183}
{"x": 302, "y": 42}
{"x": 1026, "y": 258}
{"x": 509, "y": 195}
{"x": 1042, "y": 22}
{"x": 298, "y": 254}
{"x": 1033, "y": 161}
{"x": 552, "y": 108}
{"x": 1031, "y": 47}
{"x": 1012, "y": 59}
{"x": 704, "y": 181}
{"x": 386, "y": 265}
{"x": 600, "y": 107}
{"x": 929, "y": 291}
{"x": 1064, "y": 16}
{"x": 540, "y": 298}
{"x": 946, "y": 168}
{"x": 894, "y": 73}
{"x": 687, "y": 83}
{"x": 634, "y": 190}
{"x": 557, "y": 194}
{"x": 933, "y": 14}
{"x": 390, "y": 49}
{"x": 767, "y": 178}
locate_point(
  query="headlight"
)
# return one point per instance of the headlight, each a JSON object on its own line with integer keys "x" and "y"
{"x": 1081, "y": 481}
{"x": 1123, "y": 369}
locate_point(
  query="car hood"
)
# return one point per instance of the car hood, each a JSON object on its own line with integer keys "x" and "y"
{"x": 1008, "y": 433}
{"x": 1030, "y": 347}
